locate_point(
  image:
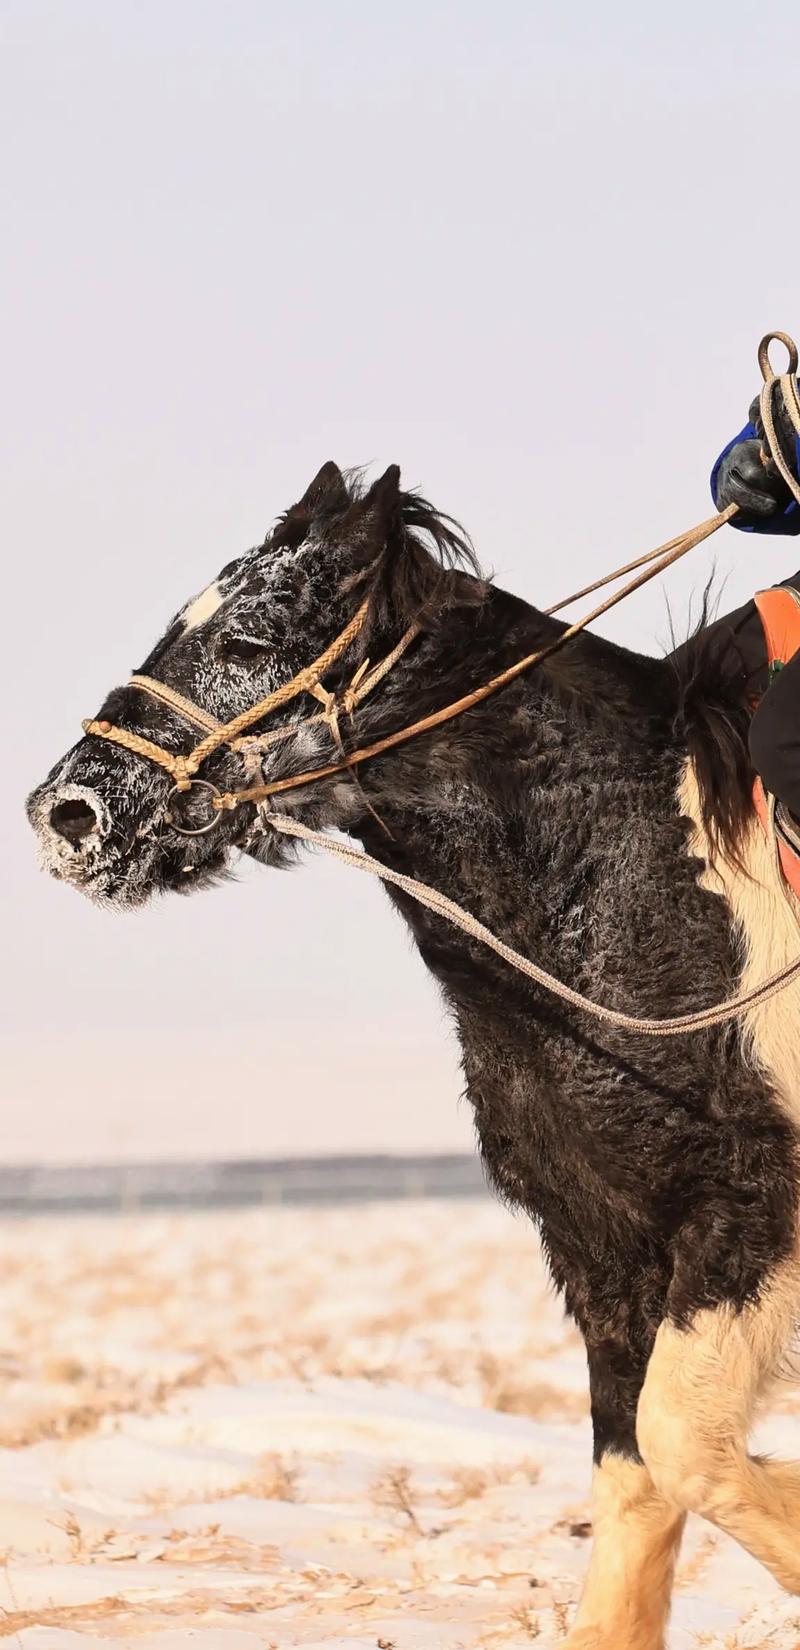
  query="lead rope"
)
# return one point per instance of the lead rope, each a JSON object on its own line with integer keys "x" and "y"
{"x": 675, "y": 1026}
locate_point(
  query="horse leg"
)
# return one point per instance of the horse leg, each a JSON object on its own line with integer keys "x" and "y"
{"x": 637, "y": 1531}
{"x": 697, "y": 1403}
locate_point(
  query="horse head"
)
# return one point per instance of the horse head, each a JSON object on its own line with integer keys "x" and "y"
{"x": 108, "y": 818}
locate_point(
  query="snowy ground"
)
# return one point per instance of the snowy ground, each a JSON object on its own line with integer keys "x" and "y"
{"x": 358, "y": 1427}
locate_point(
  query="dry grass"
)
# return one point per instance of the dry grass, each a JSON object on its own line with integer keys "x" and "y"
{"x": 65, "y": 1371}
{"x": 192, "y": 1606}
{"x": 71, "y": 1421}
{"x": 209, "y": 1546}
{"x": 14, "y": 1622}
{"x": 522, "y": 1622}
{"x": 466, "y": 1484}
{"x": 394, "y": 1492}
{"x": 74, "y": 1535}
{"x": 561, "y": 1614}
{"x": 503, "y": 1389}
{"x": 102, "y": 1394}
{"x": 526, "y": 1620}
{"x": 457, "y": 1312}
{"x": 471, "y": 1483}
{"x": 276, "y": 1480}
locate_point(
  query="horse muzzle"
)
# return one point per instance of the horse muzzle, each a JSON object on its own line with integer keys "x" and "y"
{"x": 72, "y": 826}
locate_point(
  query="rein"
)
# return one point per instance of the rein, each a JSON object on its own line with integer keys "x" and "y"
{"x": 661, "y": 558}
{"x": 184, "y": 768}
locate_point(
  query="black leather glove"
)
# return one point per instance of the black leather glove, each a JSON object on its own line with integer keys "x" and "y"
{"x": 744, "y": 479}
{"x": 758, "y": 489}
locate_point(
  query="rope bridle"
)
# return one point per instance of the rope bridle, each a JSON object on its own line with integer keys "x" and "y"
{"x": 183, "y": 769}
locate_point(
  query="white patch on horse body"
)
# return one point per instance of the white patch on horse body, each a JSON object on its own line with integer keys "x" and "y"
{"x": 765, "y": 916}
{"x": 203, "y": 607}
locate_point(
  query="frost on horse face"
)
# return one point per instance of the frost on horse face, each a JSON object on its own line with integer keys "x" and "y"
{"x": 103, "y": 814}
{"x": 596, "y": 812}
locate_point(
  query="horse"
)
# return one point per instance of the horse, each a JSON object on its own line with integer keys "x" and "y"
{"x": 595, "y": 812}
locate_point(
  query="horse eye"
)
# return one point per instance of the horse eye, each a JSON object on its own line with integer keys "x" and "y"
{"x": 238, "y": 647}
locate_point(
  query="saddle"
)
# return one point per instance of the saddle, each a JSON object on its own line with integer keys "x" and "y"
{"x": 779, "y": 611}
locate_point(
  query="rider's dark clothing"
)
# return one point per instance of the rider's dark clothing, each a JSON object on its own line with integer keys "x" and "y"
{"x": 775, "y": 737}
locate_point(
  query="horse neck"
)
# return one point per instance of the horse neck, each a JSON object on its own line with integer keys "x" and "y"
{"x": 483, "y": 781}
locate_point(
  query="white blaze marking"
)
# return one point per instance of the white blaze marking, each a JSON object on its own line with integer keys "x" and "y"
{"x": 202, "y": 607}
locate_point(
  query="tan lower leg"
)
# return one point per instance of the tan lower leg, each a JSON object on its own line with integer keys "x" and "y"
{"x": 759, "y": 1506}
{"x": 695, "y": 1411}
{"x": 625, "y": 1601}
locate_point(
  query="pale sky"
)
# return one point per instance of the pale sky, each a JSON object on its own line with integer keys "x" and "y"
{"x": 524, "y": 250}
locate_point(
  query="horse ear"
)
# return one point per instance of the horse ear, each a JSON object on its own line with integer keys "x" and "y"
{"x": 328, "y": 484}
{"x": 375, "y": 512}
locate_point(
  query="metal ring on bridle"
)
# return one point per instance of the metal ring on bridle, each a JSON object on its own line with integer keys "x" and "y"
{"x": 182, "y": 790}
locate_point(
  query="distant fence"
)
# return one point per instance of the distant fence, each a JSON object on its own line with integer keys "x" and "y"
{"x": 127, "y": 1187}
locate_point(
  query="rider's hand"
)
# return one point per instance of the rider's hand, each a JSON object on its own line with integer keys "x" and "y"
{"x": 744, "y": 479}
{"x": 784, "y": 427}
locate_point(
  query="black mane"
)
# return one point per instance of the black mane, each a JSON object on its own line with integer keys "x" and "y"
{"x": 712, "y": 720}
{"x": 411, "y": 579}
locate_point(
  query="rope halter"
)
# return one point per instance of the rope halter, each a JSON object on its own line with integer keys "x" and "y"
{"x": 183, "y": 769}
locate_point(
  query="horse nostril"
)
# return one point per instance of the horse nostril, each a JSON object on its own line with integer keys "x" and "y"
{"x": 73, "y": 820}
